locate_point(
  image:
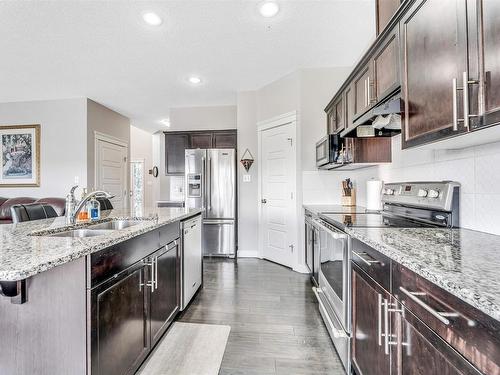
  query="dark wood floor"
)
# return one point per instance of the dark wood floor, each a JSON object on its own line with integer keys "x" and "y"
{"x": 275, "y": 323}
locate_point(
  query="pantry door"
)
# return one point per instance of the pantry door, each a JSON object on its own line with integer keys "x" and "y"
{"x": 111, "y": 170}
{"x": 277, "y": 193}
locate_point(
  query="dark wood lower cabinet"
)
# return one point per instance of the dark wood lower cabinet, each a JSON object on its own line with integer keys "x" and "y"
{"x": 368, "y": 351}
{"x": 131, "y": 309}
{"x": 119, "y": 320}
{"x": 165, "y": 297}
{"x": 423, "y": 352}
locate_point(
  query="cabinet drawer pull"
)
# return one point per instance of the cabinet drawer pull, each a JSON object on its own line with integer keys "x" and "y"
{"x": 441, "y": 316}
{"x": 365, "y": 261}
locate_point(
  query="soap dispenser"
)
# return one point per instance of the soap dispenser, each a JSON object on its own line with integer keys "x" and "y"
{"x": 94, "y": 209}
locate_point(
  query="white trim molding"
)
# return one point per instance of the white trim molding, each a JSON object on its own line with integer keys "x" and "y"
{"x": 109, "y": 138}
{"x": 280, "y": 120}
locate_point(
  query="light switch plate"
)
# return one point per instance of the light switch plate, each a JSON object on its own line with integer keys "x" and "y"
{"x": 247, "y": 178}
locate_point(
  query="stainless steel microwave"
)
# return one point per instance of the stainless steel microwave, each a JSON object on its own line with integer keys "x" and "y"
{"x": 328, "y": 150}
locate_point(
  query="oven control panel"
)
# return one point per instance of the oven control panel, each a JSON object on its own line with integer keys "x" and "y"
{"x": 437, "y": 195}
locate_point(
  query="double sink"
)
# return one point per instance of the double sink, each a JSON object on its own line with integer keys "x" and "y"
{"x": 98, "y": 229}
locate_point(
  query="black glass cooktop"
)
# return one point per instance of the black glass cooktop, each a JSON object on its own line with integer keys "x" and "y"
{"x": 370, "y": 220}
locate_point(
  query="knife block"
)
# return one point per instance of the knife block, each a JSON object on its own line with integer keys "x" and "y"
{"x": 349, "y": 200}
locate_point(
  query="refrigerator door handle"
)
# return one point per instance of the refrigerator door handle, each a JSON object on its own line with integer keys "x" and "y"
{"x": 209, "y": 184}
{"x": 204, "y": 182}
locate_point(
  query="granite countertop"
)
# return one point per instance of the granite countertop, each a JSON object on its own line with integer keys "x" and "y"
{"x": 316, "y": 209}
{"x": 463, "y": 262}
{"x": 23, "y": 254}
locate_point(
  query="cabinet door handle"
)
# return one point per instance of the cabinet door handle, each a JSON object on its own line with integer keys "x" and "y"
{"x": 465, "y": 83}
{"x": 366, "y": 91}
{"x": 365, "y": 261}
{"x": 455, "y": 105}
{"x": 438, "y": 315}
{"x": 156, "y": 273}
{"x": 379, "y": 320}
{"x": 368, "y": 101}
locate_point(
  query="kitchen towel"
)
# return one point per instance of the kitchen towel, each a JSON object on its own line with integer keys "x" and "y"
{"x": 374, "y": 195}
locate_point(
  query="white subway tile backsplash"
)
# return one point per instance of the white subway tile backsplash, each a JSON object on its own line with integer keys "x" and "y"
{"x": 487, "y": 218}
{"x": 488, "y": 174}
{"x": 467, "y": 210}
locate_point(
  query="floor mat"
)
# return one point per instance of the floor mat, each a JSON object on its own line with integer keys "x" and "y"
{"x": 188, "y": 349}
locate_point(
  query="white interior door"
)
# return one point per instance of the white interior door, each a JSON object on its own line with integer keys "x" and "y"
{"x": 111, "y": 171}
{"x": 277, "y": 221}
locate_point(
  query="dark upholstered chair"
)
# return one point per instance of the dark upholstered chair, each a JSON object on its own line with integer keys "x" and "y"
{"x": 105, "y": 204}
{"x": 31, "y": 211}
{"x": 5, "y": 213}
{"x": 58, "y": 204}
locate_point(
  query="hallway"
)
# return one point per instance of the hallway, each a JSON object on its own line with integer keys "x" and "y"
{"x": 275, "y": 324}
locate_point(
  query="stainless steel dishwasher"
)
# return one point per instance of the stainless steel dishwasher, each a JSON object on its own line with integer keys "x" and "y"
{"x": 192, "y": 259}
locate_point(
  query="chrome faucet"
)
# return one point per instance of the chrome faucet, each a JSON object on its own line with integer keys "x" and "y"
{"x": 73, "y": 214}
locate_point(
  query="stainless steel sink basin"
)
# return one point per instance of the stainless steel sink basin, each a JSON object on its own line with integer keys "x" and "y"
{"x": 115, "y": 224}
{"x": 80, "y": 233}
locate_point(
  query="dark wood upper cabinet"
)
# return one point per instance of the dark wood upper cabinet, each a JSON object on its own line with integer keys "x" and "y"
{"x": 201, "y": 140}
{"x": 369, "y": 149}
{"x": 489, "y": 11}
{"x": 385, "y": 9}
{"x": 225, "y": 139}
{"x": 368, "y": 350}
{"x": 175, "y": 145}
{"x": 434, "y": 55}
{"x": 386, "y": 66}
{"x": 336, "y": 118}
{"x": 363, "y": 90}
{"x": 349, "y": 106}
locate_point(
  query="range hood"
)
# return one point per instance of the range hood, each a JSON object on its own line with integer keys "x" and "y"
{"x": 383, "y": 120}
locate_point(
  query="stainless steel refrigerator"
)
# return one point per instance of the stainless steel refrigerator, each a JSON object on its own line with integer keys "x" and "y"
{"x": 210, "y": 183}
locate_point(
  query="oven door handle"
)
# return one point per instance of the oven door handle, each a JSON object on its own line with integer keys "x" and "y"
{"x": 337, "y": 333}
{"x": 337, "y": 234}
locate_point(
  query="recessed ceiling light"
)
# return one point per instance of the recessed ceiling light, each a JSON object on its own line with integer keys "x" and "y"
{"x": 269, "y": 8}
{"x": 195, "y": 80}
{"x": 165, "y": 122}
{"x": 152, "y": 19}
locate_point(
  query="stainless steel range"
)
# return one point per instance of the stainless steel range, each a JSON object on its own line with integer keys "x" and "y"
{"x": 405, "y": 205}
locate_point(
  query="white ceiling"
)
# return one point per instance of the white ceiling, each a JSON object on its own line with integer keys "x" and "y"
{"x": 104, "y": 51}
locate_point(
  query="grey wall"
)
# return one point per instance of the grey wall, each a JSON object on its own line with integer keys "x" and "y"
{"x": 203, "y": 118}
{"x": 248, "y": 199}
{"x": 109, "y": 122}
{"x": 62, "y": 147}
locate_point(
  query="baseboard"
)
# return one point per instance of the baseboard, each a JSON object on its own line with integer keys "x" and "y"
{"x": 301, "y": 268}
{"x": 248, "y": 254}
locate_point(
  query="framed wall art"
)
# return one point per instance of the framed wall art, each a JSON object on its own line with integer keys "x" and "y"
{"x": 20, "y": 157}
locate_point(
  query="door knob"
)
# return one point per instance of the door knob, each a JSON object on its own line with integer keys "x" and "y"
{"x": 263, "y": 200}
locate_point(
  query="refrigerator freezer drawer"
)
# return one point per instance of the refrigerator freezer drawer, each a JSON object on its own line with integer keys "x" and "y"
{"x": 219, "y": 238}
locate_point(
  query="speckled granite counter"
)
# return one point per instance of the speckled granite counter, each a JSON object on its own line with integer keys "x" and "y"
{"x": 337, "y": 208}
{"x": 23, "y": 255}
{"x": 463, "y": 262}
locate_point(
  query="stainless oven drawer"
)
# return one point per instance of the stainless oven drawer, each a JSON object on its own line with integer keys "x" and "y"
{"x": 341, "y": 339}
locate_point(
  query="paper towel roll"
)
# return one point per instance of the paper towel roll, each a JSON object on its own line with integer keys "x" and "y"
{"x": 374, "y": 195}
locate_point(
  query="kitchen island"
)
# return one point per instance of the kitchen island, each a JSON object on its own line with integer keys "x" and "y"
{"x": 95, "y": 304}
